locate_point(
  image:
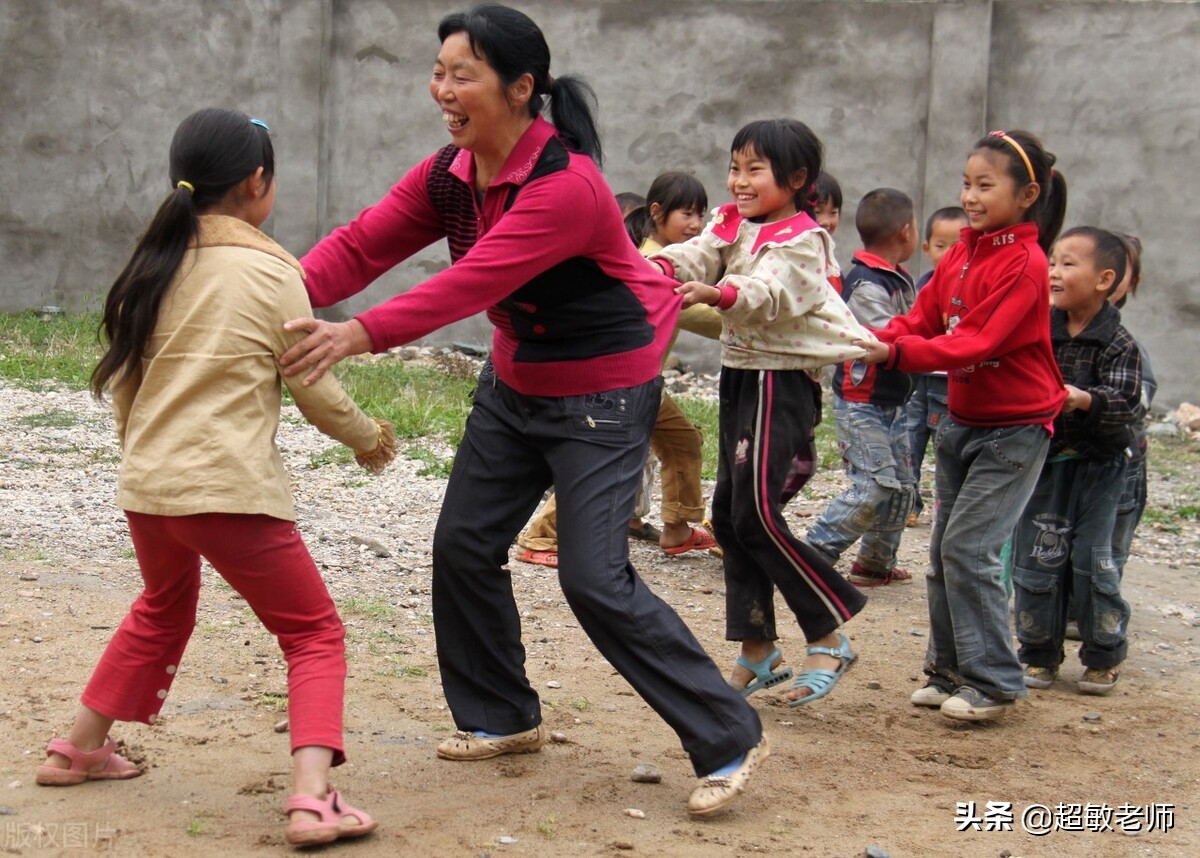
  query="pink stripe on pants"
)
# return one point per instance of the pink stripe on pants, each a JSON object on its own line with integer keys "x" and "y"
{"x": 263, "y": 559}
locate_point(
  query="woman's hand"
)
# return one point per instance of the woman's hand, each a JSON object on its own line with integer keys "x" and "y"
{"x": 877, "y": 352}
{"x": 326, "y": 344}
{"x": 695, "y": 292}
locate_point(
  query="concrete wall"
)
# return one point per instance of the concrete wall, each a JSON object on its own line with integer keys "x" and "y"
{"x": 896, "y": 90}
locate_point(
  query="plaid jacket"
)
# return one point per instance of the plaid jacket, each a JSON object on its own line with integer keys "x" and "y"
{"x": 1104, "y": 360}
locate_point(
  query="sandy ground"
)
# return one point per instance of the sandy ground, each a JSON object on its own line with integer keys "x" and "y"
{"x": 860, "y": 769}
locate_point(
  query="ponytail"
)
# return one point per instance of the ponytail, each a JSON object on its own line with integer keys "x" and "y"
{"x": 212, "y": 151}
{"x": 639, "y": 225}
{"x": 1029, "y": 161}
{"x": 573, "y": 114}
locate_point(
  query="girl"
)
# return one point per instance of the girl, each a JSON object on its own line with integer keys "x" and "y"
{"x": 194, "y": 329}
{"x": 568, "y": 398}
{"x": 985, "y": 318}
{"x": 766, "y": 265}
{"x": 673, "y": 211}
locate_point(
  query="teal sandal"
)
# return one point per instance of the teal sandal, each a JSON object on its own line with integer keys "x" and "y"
{"x": 821, "y": 681}
{"x": 764, "y": 676}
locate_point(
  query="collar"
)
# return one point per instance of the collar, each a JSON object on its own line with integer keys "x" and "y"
{"x": 728, "y": 222}
{"x": 520, "y": 162}
{"x": 1100, "y": 330}
{"x": 225, "y": 231}
{"x": 872, "y": 260}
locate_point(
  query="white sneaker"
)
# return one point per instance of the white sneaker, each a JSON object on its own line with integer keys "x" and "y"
{"x": 930, "y": 694}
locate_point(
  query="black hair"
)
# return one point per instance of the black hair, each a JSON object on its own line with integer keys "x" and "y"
{"x": 512, "y": 45}
{"x": 671, "y": 191}
{"x": 826, "y": 187}
{"x": 881, "y": 214}
{"x": 1133, "y": 253}
{"x": 942, "y": 214}
{"x": 1108, "y": 250}
{"x": 1050, "y": 206}
{"x": 790, "y": 146}
{"x": 212, "y": 151}
{"x": 628, "y": 201}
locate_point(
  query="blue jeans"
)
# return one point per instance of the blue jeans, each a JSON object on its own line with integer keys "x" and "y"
{"x": 985, "y": 477}
{"x": 925, "y": 410}
{"x": 1063, "y": 548}
{"x": 875, "y": 506}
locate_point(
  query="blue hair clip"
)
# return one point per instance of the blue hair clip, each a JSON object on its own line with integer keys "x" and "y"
{"x": 264, "y": 126}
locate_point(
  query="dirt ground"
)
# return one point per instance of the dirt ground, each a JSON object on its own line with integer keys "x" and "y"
{"x": 860, "y": 769}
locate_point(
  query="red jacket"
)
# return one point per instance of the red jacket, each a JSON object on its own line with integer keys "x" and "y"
{"x": 985, "y": 318}
{"x": 576, "y": 308}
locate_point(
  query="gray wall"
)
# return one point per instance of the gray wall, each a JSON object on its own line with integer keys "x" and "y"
{"x": 896, "y": 90}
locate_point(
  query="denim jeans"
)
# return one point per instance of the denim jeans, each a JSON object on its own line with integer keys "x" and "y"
{"x": 1129, "y": 510}
{"x": 591, "y": 447}
{"x": 875, "y": 506}
{"x": 925, "y": 410}
{"x": 985, "y": 477}
{"x": 1064, "y": 548}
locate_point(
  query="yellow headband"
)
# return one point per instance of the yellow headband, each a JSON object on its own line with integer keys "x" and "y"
{"x": 182, "y": 184}
{"x": 1011, "y": 142}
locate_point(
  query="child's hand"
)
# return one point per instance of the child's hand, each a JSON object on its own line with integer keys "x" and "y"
{"x": 385, "y": 449}
{"x": 695, "y": 292}
{"x": 1077, "y": 399}
{"x": 877, "y": 352}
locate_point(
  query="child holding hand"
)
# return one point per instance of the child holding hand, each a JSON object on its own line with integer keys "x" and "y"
{"x": 767, "y": 266}
{"x": 195, "y": 329}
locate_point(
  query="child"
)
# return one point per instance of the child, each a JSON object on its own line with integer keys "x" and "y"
{"x": 674, "y": 212}
{"x": 1063, "y": 544}
{"x": 985, "y": 318}
{"x": 868, "y": 403}
{"x": 927, "y": 405}
{"x": 195, "y": 326}
{"x": 765, "y": 264}
{"x": 828, "y": 209}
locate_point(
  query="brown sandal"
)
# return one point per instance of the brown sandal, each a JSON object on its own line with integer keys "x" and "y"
{"x": 102, "y": 764}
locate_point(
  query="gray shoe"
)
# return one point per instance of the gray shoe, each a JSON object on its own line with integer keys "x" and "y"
{"x": 971, "y": 704}
{"x": 1072, "y": 632}
{"x": 1040, "y": 677}
{"x": 932, "y": 694}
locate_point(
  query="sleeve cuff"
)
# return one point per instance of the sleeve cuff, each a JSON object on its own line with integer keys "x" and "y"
{"x": 728, "y": 297}
{"x": 665, "y": 266}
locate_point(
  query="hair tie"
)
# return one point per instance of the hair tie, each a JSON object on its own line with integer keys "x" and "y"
{"x": 182, "y": 184}
{"x": 1003, "y": 135}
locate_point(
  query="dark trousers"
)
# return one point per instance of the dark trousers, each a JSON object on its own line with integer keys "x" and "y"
{"x": 766, "y": 455}
{"x": 591, "y": 448}
{"x": 1063, "y": 550}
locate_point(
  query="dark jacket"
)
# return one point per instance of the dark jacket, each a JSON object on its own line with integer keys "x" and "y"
{"x": 875, "y": 292}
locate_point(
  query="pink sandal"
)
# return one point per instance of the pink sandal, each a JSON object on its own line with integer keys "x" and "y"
{"x": 333, "y": 823}
{"x": 698, "y": 540}
{"x": 541, "y": 558}
{"x": 102, "y": 764}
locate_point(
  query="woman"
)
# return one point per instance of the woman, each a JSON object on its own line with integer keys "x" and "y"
{"x": 568, "y": 397}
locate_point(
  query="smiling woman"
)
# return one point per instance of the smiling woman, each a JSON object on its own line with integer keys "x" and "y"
{"x": 568, "y": 397}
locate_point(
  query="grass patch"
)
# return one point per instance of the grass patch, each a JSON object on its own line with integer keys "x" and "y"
{"x": 274, "y": 702}
{"x": 546, "y": 828}
{"x": 373, "y": 608}
{"x": 36, "y": 349}
{"x": 54, "y": 418}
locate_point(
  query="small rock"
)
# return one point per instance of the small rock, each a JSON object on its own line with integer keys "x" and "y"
{"x": 622, "y": 844}
{"x": 281, "y": 726}
{"x": 646, "y": 773}
{"x": 874, "y": 684}
{"x": 506, "y": 840}
{"x": 1004, "y": 853}
{"x": 554, "y": 683}
{"x": 635, "y": 813}
{"x": 28, "y": 576}
{"x": 1092, "y": 716}
{"x": 876, "y": 852}
{"x": 220, "y": 680}
{"x": 14, "y": 784}
{"x": 5, "y": 810}
{"x": 558, "y": 737}
{"x": 36, "y": 639}
{"x": 916, "y": 633}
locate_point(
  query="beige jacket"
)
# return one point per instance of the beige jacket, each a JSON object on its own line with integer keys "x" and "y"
{"x": 778, "y": 306}
{"x": 197, "y": 420}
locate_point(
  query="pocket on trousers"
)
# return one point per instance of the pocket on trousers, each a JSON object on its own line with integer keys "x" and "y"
{"x": 1110, "y": 613}
{"x": 607, "y": 417}
{"x": 1036, "y": 601}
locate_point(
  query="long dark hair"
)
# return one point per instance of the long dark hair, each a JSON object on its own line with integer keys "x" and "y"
{"x": 512, "y": 45}
{"x": 1050, "y": 207}
{"x": 671, "y": 191}
{"x": 213, "y": 150}
{"x": 790, "y": 146}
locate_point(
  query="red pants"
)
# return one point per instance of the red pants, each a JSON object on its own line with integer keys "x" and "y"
{"x": 265, "y": 560}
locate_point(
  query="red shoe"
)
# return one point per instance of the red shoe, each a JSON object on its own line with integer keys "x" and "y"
{"x": 541, "y": 558}
{"x": 861, "y": 577}
{"x": 338, "y": 820}
{"x": 698, "y": 540}
{"x": 102, "y": 764}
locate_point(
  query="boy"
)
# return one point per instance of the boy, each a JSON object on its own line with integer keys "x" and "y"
{"x": 927, "y": 405}
{"x": 1063, "y": 544}
{"x": 868, "y": 403}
